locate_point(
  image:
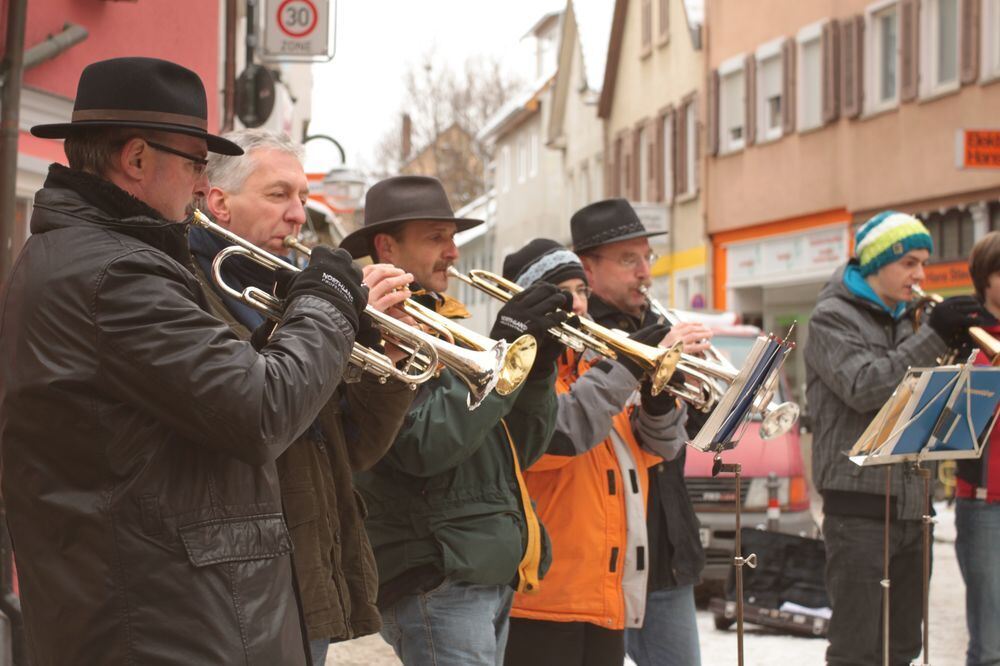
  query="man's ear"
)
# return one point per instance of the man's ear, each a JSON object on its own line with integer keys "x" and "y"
{"x": 132, "y": 159}
{"x": 218, "y": 205}
{"x": 587, "y": 267}
{"x": 384, "y": 248}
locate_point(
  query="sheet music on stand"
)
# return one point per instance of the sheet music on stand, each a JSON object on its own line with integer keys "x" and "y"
{"x": 724, "y": 427}
{"x": 941, "y": 413}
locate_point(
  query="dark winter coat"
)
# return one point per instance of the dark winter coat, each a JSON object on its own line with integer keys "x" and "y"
{"x": 334, "y": 564}
{"x": 139, "y": 436}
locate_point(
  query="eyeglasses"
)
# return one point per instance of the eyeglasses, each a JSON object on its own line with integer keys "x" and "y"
{"x": 631, "y": 260}
{"x": 582, "y": 291}
{"x": 198, "y": 163}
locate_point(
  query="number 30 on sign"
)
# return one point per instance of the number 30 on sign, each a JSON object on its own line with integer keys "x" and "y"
{"x": 298, "y": 30}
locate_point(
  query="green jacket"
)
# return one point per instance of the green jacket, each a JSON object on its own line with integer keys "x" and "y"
{"x": 446, "y": 494}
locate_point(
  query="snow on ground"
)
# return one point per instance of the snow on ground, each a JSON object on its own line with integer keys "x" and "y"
{"x": 763, "y": 647}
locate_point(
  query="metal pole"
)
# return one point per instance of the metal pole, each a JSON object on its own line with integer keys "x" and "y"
{"x": 885, "y": 568}
{"x": 229, "y": 85}
{"x": 738, "y": 560}
{"x": 925, "y": 474}
{"x": 11, "y": 73}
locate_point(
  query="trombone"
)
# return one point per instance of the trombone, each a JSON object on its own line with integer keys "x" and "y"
{"x": 483, "y": 364}
{"x": 657, "y": 362}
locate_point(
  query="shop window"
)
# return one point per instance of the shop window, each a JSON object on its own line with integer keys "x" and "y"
{"x": 994, "y": 215}
{"x": 883, "y": 45}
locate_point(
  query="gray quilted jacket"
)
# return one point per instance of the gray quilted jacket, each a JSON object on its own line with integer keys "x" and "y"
{"x": 856, "y": 354}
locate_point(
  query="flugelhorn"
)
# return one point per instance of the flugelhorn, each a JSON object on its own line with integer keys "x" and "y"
{"x": 483, "y": 364}
{"x": 658, "y": 363}
{"x": 420, "y": 366}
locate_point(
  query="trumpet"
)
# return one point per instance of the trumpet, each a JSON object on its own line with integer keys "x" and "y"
{"x": 483, "y": 364}
{"x": 989, "y": 345}
{"x": 658, "y": 363}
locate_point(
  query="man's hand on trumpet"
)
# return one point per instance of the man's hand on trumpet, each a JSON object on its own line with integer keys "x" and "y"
{"x": 695, "y": 336}
{"x": 388, "y": 287}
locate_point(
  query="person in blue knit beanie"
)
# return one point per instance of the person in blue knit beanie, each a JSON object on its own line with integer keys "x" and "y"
{"x": 861, "y": 339}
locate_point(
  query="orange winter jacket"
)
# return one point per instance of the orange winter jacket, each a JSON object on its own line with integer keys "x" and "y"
{"x": 581, "y": 499}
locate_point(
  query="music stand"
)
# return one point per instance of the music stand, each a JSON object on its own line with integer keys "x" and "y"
{"x": 753, "y": 386}
{"x": 942, "y": 413}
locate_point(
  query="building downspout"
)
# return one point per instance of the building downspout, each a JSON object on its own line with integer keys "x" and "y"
{"x": 229, "y": 85}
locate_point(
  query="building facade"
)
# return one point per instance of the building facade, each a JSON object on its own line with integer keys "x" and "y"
{"x": 651, "y": 101}
{"x": 823, "y": 113}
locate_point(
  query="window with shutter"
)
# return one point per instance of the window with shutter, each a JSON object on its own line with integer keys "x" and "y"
{"x": 681, "y": 152}
{"x": 882, "y": 72}
{"x": 769, "y": 86}
{"x": 909, "y": 49}
{"x": 940, "y": 29}
{"x": 712, "y": 131}
{"x": 810, "y": 78}
{"x": 663, "y": 22}
{"x": 990, "y": 33}
{"x": 731, "y": 107}
{"x": 652, "y": 174}
{"x": 636, "y": 179}
{"x": 788, "y": 66}
{"x": 969, "y": 39}
{"x": 830, "y": 40}
{"x": 691, "y": 144}
{"x": 646, "y": 28}
{"x": 642, "y": 192}
{"x": 749, "y": 100}
{"x": 667, "y": 156}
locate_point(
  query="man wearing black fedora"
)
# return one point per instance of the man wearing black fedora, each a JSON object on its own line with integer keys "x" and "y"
{"x": 614, "y": 248}
{"x": 449, "y": 518}
{"x": 139, "y": 432}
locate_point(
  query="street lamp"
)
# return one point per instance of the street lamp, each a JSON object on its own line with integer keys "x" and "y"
{"x": 342, "y": 189}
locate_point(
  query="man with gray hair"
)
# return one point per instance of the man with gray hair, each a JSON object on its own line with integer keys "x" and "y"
{"x": 260, "y": 196}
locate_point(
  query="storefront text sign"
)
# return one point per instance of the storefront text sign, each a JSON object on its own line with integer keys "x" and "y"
{"x": 787, "y": 258}
{"x": 978, "y": 149}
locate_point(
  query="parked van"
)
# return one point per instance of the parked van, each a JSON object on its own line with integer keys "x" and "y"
{"x": 714, "y": 497}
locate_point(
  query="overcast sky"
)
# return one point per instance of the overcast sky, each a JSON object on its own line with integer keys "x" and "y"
{"x": 357, "y": 95}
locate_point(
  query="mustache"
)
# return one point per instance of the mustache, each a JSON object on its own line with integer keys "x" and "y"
{"x": 442, "y": 265}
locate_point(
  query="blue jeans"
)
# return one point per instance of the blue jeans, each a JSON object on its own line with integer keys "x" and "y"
{"x": 669, "y": 634}
{"x": 318, "y": 649}
{"x": 977, "y": 545}
{"x": 455, "y": 624}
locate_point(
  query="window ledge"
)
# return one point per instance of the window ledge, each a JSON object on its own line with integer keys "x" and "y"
{"x": 987, "y": 79}
{"x": 764, "y": 139}
{"x": 734, "y": 150}
{"x": 663, "y": 40}
{"x": 812, "y": 129}
{"x": 880, "y": 111}
{"x": 943, "y": 91}
{"x": 687, "y": 197}
{"x": 645, "y": 51}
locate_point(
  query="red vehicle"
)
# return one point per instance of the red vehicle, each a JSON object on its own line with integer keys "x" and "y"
{"x": 714, "y": 497}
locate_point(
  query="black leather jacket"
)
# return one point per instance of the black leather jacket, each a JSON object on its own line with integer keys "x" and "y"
{"x": 139, "y": 435}
{"x": 675, "y": 553}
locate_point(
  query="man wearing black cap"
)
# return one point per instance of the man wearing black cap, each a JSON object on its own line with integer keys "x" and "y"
{"x": 614, "y": 248}
{"x": 591, "y": 488}
{"x": 449, "y": 517}
{"x": 139, "y": 432}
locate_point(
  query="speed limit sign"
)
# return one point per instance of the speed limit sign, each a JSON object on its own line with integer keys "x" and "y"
{"x": 298, "y": 30}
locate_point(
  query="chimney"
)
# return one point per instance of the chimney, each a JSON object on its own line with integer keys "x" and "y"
{"x": 405, "y": 145}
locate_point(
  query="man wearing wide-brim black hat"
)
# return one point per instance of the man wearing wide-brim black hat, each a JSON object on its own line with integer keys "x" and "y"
{"x": 139, "y": 432}
{"x": 453, "y": 530}
{"x": 613, "y": 246}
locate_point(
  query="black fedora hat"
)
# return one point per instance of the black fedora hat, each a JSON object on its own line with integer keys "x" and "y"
{"x": 402, "y": 199}
{"x": 608, "y": 221}
{"x": 146, "y": 93}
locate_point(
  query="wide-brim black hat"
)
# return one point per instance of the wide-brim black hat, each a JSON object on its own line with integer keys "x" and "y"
{"x": 146, "y": 93}
{"x": 402, "y": 199}
{"x": 608, "y": 221}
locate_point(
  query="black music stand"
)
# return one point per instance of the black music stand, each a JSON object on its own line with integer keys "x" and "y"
{"x": 942, "y": 413}
{"x": 725, "y": 427}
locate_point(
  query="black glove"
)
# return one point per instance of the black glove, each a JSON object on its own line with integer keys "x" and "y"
{"x": 648, "y": 335}
{"x": 655, "y": 405}
{"x": 952, "y": 318}
{"x": 333, "y": 276}
{"x": 533, "y": 312}
{"x": 262, "y": 334}
{"x": 369, "y": 335}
